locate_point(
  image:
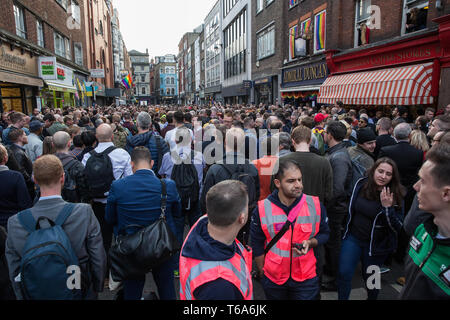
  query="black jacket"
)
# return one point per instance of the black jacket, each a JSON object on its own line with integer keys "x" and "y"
{"x": 217, "y": 173}
{"x": 76, "y": 172}
{"x": 25, "y": 167}
{"x": 342, "y": 179}
{"x": 383, "y": 140}
{"x": 408, "y": 160}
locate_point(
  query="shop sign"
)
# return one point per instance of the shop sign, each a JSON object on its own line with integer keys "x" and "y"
{"x": 47, "y": 68}
{"x": 97, "y": 73}
{"x": 305, "y": 75}
{"x": 14, "y": 60}
{"x": 394, "y": 57}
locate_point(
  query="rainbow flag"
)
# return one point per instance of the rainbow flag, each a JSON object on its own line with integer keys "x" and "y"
{"x": 127, "y": 81}
{"x": 320, "y": 31}
{"x": 292, "y": 3}
{"x": 305, "y": 25}
{"x": 292, "y": 35}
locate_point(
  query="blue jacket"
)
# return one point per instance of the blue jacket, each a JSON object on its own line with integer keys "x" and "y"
{"x": 386, "y": 225}
{"x": 199, "y": 245}
{"x": 136, "y": 199}
{"x": 148, "y": 140}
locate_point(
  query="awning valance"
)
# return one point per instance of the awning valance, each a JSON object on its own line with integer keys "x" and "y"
{"x": 408, "y": 85}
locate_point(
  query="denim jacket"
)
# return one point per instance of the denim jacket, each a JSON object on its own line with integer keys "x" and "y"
{"x": 385, "y": 228}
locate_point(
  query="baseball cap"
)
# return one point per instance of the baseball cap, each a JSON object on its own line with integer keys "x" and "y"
{"x": 35, "y": 125}
{"x": 320, "y": 117}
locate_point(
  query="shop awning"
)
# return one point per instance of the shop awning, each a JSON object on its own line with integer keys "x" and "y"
{"x": 304, "y": 88}
{"x": 17, "y": 78}
{"x": 60, "y": 87}
{"x": 408, "y": 85}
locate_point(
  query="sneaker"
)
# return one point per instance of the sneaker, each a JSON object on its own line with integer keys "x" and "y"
{"x": 176, "y": 274}
{"x": 384, "y": 270}
{"x": 401, "y": 281}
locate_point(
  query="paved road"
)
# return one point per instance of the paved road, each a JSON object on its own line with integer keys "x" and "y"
{"x": 389, "y": 288}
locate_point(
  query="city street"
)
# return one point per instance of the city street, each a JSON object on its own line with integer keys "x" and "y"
{"x": 389, "y": 288}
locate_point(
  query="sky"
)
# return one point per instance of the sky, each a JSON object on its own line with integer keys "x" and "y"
{"x": 159, "y": 24}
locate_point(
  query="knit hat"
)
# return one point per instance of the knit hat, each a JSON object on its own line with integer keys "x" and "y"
{"x": 365, "y": 135}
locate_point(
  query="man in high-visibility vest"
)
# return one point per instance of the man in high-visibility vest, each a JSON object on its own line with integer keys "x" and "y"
{"x": 214, "y": 265}
{"x": 288, "y": 266}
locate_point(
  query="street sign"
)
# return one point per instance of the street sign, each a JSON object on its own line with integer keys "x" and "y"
{"x": 97, "y": 73}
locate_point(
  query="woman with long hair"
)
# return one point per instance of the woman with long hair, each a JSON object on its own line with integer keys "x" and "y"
{"x": 375, "y": 218}
{"x": 419, "y": 141}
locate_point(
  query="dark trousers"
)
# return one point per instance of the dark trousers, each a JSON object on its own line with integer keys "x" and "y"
{"x": 164, "y": 279}
{"x": 107, "y": 229}
{"x": 333, "y": 246}
{"x": 353, "y": 251}
{"x": 291, "y": 290}
{"x": 403, "y": 238}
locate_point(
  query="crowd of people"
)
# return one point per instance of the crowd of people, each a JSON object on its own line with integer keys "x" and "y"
{"x": 292, "y": 196}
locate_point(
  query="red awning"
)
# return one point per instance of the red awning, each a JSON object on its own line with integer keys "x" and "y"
{"x": 409, "y": 85}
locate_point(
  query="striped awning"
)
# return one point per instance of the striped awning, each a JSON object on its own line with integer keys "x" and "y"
{"x": 409, "y": 85}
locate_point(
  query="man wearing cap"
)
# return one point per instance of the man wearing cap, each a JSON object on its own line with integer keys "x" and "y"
{"x": 318, "y": 132}
{"x": 34, "y": 146}
{"x": 362, "y": 155}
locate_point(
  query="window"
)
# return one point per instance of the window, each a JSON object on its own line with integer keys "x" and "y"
{"x": 172, "y": 91}
{"x": 60, "y": 48}
{"x": 259, "y": 5}
{"x": 78, "y": 51}
{"x": 75, "y": 9}
{"x": 320, "y": 31}
{"x": 101, "y": 27}
{"x": 265, "y": 43}
{"x": 362, "y": 32}
{"x": 40, "y": 33}
{"x": 292, "y": 3}
{"x": 415, "y": 15}
{"x": 142, "y": 78}
{"x": 63, "y": 3}
{"x": 68, "y": 54}
{"x": 292, "y": 35}
{"x": 143, "y": 90}
{"x": 19, "y": 16}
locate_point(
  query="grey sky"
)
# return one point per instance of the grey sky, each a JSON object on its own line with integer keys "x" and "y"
{"x": 159, "y": 24}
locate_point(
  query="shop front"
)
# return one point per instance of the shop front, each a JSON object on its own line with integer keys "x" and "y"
{"x": 60, "y": 90}
{"x": 409, "y": 72}
{"x": 237, "y": 94}
{"x": 266, "y": 90}
{"x": 19, "y": 81}
{"x": 213, "y": 94}
{"x": 301, "y": 83}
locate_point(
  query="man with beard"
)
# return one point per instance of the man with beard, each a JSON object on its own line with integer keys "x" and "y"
{"x": 284, "y": 229}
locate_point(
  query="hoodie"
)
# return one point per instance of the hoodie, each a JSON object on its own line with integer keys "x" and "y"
{"x": 199, "y": 245}
{"x": 150, "y": 140}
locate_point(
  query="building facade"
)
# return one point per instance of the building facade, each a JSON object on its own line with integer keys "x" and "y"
{"x": 213, "y": 57}
{"x": 186, "y": 68}
{"x": 166, "y": 79}
{"x": 141, "y": 76}
{"x": 237, "y": 51}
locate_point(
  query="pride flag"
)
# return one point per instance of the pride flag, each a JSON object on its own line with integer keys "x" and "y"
{"x": 305, "y": 25}
{"x": 127, "y": 81}
{"x": 320, "y": 25}
{"x": 292, "y": 35}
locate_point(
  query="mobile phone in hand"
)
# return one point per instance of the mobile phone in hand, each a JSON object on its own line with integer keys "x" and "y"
{"x": 298, "y": 246}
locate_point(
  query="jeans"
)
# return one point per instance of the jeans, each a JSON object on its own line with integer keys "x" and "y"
{"x": 333, "y": 245}
{"x": 163, "y": 276}
{"x": 291, "y": 290}
{"x": 353, "y": 251}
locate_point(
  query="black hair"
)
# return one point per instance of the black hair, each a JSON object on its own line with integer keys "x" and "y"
{"x": 337, "y": 130}
{"x": 283, "y": 165}
{"x": 78, "y": 141}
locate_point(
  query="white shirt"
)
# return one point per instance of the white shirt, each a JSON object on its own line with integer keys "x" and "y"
{"x": 171, "y": 135}
{"x": 120, "y": 160}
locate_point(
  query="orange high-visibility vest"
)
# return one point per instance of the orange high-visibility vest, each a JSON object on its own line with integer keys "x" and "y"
{"x": 281, "y": 262}
{"x": 194, "y": 273}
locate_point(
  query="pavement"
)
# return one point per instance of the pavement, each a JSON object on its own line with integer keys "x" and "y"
{"x": 389, "y": 288}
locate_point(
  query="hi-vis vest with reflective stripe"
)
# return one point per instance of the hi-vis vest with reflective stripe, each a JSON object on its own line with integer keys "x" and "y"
{"x": 281, "y": 262}
{"x": 194, "y": 273}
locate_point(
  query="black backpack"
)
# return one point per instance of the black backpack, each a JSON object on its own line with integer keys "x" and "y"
{"x": 186, "y": 178}
{"x": 99, "y": 172}
{"x": 69, "y": 191}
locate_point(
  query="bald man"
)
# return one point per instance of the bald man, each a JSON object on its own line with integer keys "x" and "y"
{"x": 100, "y": 180}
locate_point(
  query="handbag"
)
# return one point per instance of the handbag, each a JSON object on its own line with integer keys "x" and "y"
{"x": 134, "y": 255}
